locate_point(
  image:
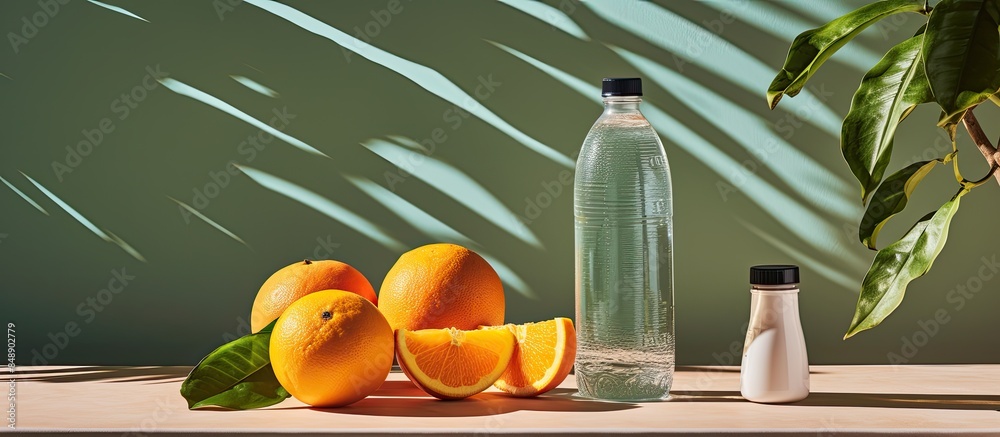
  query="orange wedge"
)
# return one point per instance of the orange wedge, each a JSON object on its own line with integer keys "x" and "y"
{"x": 542, "y": 358}
{"x": 451, "y": 363}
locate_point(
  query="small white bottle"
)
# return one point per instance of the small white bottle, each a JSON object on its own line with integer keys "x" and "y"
{"x": 775, "y": 366}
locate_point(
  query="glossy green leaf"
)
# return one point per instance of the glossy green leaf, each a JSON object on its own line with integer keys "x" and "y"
{"x": 962, "y": 54}
{"x": 888, "y": 92}
{"x": 813, "y": 47}
{"x": 898, "y": 264}
{"x": 236, "y": 376}
{"x": 259, "y": 389}
{"x": 891, "y": 198}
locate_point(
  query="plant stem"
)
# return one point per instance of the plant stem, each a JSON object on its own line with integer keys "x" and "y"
{"x": 968, "y": 185}
{"x": 979, "y": 137}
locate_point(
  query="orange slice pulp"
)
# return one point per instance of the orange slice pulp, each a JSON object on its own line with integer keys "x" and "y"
{"x": 451, "y": 363}
{"x": 543, "y": 356}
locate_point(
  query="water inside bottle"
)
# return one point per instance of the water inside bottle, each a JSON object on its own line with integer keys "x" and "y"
{"x": 625, "y": 312}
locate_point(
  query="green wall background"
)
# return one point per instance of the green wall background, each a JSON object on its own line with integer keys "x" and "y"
{"x": 751, "y": 185}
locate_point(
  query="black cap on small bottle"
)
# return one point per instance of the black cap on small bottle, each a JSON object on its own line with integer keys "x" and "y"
{"x": 621, "y": 86}
{"x": 774, "y": 275}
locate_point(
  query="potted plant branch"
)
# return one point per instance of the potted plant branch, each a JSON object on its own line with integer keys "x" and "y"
{"x": 952, "y": 61}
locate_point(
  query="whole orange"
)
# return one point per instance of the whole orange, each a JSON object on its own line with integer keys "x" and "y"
{"x": 331, "y": 348}
{"x": 441, "y": 286}
{"x": 294, "y": 281}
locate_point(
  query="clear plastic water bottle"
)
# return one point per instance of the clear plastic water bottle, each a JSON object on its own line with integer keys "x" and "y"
{"x": 624, "y": 261}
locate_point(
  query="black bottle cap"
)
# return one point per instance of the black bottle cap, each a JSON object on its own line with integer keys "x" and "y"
{"x": 621, "y": 86}
{"x": 774, "y": 275}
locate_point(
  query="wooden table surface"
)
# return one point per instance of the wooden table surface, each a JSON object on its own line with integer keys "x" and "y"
{"x": 845, "y": 400}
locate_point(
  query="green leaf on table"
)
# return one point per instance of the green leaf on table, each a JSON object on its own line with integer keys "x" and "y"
{"x": 237, "y": 375}
{"x": 891, "y": 198}
{"x": 899, "y": 263}
{"x": 259, "y": 389}
{"x": 888, "y": 92}
{"x": 962, "y": 54}
{"x": 813, "y": 47}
